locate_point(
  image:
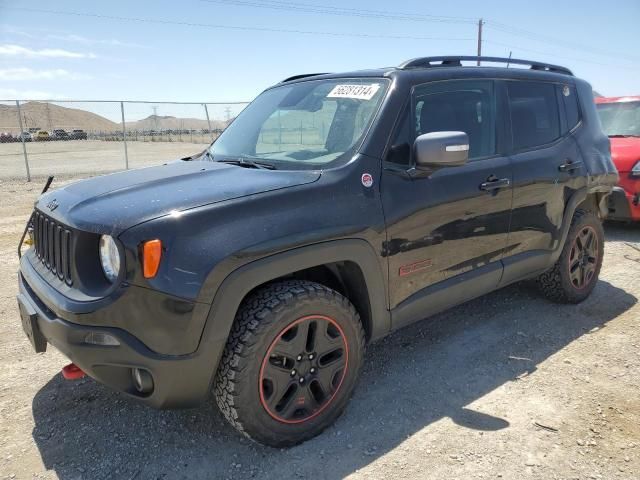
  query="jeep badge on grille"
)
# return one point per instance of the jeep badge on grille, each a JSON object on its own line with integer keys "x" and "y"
{"x": 52, "y": 205}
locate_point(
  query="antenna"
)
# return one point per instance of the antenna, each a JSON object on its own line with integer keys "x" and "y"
{"x": 480, "y": 23}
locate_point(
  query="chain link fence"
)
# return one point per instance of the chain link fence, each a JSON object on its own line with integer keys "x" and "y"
{"x": 41, "y": 138}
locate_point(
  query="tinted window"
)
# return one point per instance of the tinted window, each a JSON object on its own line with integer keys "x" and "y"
{"x": 534, "y": 114}
{"x": 461, "y": 106}
{"x": 571, "y": 108}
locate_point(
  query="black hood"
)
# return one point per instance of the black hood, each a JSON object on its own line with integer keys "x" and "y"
{"x": 116, "y": 202}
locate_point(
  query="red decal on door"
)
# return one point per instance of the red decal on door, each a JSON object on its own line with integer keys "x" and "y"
{"x": 414, "y": 267}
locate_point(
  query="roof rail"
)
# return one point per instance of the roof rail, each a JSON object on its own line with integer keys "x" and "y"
{"x": 303, "y": 75}
{"x": 456, "y": 61}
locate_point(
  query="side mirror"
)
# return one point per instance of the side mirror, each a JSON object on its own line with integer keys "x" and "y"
{"x": 436, "y": 150}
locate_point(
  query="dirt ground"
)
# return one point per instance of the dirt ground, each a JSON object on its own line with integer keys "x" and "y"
{"x": 508, "y": 386}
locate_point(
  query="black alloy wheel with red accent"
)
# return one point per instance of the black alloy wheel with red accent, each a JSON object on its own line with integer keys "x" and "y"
{"x": 303, "y": 369}
{"x": 291, "y": 362}
{"x": 576, "y": 272}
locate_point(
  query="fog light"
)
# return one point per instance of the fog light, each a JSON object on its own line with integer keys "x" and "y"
{"x": 142, "y": 380}
{"x": 101, "y": 338}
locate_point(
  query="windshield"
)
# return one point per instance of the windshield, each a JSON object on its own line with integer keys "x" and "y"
{"x": 620, "y": 119}
{"x": 314, "y": 124}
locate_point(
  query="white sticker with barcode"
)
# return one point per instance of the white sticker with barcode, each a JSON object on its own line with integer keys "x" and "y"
{"x": 359, "y": 92}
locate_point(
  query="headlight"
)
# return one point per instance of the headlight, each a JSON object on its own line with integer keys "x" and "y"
{"x": 109, "y": 257}
{"x": 635, "y": 171}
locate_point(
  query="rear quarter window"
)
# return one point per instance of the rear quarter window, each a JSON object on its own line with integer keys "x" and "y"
{"x": 569, "y": 98}
{"x": 535, "y": 116}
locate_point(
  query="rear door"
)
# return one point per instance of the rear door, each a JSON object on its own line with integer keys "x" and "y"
{"x": 455, "y": 221}
{"x": 547, "y": 167}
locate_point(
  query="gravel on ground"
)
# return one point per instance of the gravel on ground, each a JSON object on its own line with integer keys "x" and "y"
{"x": 508, "y": 386}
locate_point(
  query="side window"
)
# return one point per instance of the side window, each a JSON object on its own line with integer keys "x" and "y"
{"x": 459, "y": 105}
{"x": 534, "y": 112}
{"x": 570, "y": 103}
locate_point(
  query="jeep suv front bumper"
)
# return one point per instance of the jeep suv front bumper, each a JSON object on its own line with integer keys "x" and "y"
{"x": 178, "y": 380}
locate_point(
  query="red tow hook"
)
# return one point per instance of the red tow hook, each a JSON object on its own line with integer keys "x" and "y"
{"x": 72, "y": 372}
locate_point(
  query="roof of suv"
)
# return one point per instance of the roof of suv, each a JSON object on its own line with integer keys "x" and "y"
{"x": 447, "y": 65}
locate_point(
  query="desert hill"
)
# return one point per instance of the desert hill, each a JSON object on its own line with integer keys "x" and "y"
{"x": 48, "y": 116}
{"x": 165, "y": 122}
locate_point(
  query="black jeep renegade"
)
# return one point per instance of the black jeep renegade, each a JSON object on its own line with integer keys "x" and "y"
{"x": 334, "y": 209}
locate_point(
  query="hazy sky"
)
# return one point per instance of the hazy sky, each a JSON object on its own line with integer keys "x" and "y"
{"x": 185, "y": 51}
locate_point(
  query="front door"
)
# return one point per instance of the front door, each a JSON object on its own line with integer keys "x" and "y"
{"x": 455, "y": 222}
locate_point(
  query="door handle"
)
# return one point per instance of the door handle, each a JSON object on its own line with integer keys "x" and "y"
{"x": 491, "y": 185}
{"x": 570, "y": 166}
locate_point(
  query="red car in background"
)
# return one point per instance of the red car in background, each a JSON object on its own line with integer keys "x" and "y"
{"x": 620, "y": 118}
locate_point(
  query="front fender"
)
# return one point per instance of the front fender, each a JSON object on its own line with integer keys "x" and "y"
{"x": 233, "y": 289}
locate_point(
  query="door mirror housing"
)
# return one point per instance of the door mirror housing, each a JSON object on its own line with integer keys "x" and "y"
{"x": 437, "y": 150}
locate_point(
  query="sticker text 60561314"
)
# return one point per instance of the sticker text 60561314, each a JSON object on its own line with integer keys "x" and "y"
{"x": 359, "y": 92}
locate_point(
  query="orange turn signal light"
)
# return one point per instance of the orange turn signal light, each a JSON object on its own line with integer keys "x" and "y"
{"x": 151, "y": 254}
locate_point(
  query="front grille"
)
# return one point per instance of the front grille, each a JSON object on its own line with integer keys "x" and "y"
{"x": 52, "y": 244}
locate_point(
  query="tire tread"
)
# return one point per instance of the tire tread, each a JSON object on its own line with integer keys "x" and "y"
{"x": 551, "y": 283}
{"x": 257, "y": 312}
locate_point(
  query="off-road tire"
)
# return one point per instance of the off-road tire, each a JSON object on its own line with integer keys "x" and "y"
{"x": 556, "y": 283}
{"x": 260, "y": 322}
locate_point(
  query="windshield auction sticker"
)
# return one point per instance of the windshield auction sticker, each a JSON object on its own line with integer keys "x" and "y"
{"x": 359, "y": 92}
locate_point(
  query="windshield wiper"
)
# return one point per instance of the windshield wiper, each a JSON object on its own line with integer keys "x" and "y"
{"x": 246, "y": 163}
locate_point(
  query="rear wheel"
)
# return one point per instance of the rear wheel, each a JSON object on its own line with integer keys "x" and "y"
{"x": 575, "y": 274}
{"x": 291, "y": 362}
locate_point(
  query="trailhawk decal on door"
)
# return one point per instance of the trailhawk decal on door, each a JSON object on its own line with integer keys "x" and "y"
{"x": 414, "y": 267}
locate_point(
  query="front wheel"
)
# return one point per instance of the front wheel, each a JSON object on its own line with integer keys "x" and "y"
{"x": 575, "y": 274}
{"x": 291, "y": 363}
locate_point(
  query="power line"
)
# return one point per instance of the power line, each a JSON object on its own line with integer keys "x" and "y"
{"x": 395, "y": 12}
{"x": 407, "y": 16}
{"x": 511, "y": 47}
{"x": 343, "y": 11}
{"x": 556, "y": 42}
{"x": 233, "y": 27}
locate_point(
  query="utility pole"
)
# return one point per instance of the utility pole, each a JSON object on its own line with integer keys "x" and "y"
{"x": 155, "y": 117}
{"x": 24, "y": 148}
{"x": 480, "y": 23}
{"x": 49, "y": 117}
{"x": 124, "y": 137}
{"x": 227, "y": 112}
